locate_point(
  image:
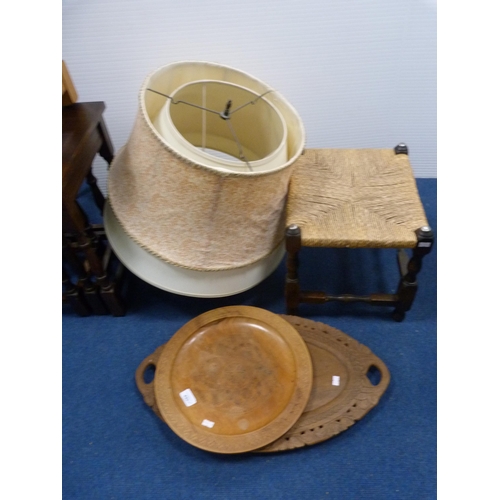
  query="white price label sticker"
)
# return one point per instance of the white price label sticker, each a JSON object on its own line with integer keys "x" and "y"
{"x": 335, "y": 380}
{"x": 187, "y": 397}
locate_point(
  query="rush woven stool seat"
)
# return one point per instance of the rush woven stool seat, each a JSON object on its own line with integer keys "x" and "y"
{"x": 356, "y": 198}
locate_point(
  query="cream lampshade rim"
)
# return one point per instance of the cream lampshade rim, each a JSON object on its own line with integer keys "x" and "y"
{"x": 294, "y": 150}
{"x": 165, "y": 125}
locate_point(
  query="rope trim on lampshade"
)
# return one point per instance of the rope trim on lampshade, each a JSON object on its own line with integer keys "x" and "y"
{"x": 191, "y": 163}
{"x": 192, "y": 268}
{"x": 157, "y": 244}
{"x": 159, "y": 254}
{"x": 275, "y": 97}
{"x": 191, "y": 215}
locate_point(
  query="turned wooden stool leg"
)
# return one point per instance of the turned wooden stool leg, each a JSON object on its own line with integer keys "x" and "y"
{"x": 292, "y": 288}
{"x": 408, "y": 285}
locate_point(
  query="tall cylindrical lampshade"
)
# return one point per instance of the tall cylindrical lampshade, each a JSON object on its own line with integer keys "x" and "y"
{"x": 197, "y": 195}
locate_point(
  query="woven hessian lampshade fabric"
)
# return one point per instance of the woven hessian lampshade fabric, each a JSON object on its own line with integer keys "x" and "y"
{"x": 189, "y": 212}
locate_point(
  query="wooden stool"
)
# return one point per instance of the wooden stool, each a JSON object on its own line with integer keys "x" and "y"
{"x": 86, "y": 253}
{"x": 356, "y": 198}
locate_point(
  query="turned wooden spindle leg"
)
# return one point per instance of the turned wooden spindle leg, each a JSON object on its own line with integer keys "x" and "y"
{"x": 408, "y": 285}
{"x": 76, "y": 219}
{"x": 90, "y": 290}
{"x": 292, "y": 288}
{"x": 107, "y": 288}
{"x": 74, "y": 295}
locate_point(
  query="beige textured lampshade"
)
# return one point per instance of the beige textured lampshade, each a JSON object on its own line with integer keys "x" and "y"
{"x": 190, "y": 208}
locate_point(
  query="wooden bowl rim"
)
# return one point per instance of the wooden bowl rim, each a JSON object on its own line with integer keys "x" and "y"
{"x": 201, "y": 437}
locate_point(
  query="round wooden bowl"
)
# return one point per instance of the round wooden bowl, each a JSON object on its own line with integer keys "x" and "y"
{"x": 343, "y": 391}
{"x": 233, "y": 379}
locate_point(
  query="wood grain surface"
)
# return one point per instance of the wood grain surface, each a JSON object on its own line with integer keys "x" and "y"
{"x": 233, "y": 379}
{"x": 342, "y": 392}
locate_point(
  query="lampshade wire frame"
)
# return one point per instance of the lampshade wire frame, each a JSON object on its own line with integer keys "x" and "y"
{"x": 225, "y": 115}
{"x": 240, "y": 149}
{"x": 251, "y": 102}
{"x": 185, "y": 102}
{"x": 204, "y": 118}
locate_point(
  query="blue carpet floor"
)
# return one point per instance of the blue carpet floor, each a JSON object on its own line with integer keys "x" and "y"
{"x": 114, "y": 447}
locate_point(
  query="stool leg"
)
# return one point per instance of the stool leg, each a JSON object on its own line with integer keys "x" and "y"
{"x": 292, "y": 288}
{"x": 408, "y": 285}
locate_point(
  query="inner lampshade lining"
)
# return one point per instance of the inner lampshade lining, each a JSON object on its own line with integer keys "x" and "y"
{"x": 169, "y": 78}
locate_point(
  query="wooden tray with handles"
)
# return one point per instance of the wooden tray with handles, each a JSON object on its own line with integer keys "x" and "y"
{"x": 342, "y": 390}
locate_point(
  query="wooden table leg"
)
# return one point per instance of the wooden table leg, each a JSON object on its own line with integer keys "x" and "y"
{"x": 89, "y": 289}
{"x": 292, "y": 288}
{"x": 106, "y": 150}
{"x": 74, "y": 296}
{"x": 96, "y": 192}
{"x": 75, "y": 218}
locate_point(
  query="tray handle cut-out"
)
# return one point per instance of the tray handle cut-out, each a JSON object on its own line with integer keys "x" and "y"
{"x": 380, "y": 376}
{"x": 147, "y": 389}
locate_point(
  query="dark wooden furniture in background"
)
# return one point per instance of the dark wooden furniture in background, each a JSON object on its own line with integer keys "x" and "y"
{"x": 69, "y": 93}
{"x": 88, "y": 282}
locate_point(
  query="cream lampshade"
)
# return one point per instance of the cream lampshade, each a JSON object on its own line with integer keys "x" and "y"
{"x": 196, "y": 197}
